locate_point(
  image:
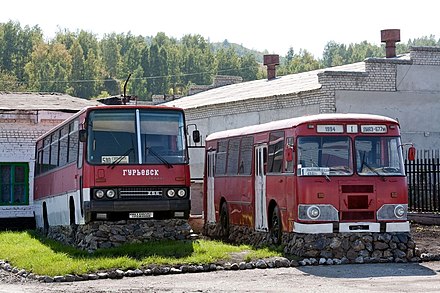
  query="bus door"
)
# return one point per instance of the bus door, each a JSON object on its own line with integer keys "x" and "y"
{"x": 210, "y": 208}
{"x": 260, "y": 188}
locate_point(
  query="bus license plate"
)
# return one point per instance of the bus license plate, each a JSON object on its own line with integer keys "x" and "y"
{"x": 143, "y": 215}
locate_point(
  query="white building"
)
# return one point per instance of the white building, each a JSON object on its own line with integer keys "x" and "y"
{"x": 405, "y": 87}
{"x": 23, "y": 118}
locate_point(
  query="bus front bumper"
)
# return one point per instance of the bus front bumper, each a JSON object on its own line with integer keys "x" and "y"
{"x": 354, "y": 227}
{"x": 136, "y": 205}
{"x": 124, "y": 209}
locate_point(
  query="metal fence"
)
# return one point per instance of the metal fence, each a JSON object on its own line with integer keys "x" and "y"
{"x": 424, "y": 182}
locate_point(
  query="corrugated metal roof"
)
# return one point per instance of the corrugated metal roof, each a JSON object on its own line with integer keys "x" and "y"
{"x": 43, "y": 101}
{"x": 283, "y": 85}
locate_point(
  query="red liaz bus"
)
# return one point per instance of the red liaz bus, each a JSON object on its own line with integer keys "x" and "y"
{"x": 113, "y": 163}
{"x": 322, "y": 173}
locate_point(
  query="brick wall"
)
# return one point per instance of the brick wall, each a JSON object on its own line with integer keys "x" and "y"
{"x": 255, "y": 105}
{"x": 219, "y": 80}
{"x": 20, "y": 129}
{"x": 425, "y": 55}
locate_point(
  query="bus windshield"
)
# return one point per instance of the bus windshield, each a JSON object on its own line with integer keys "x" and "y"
{"x": 324, "y": 156}
{"x": 162, "y": 137}
{"x": 379, "y": 156}
{"x": 130, "y": 136}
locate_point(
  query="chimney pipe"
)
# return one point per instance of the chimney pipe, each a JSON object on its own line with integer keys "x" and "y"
{"x": 271, "y": 61}
{"x": 390, "y": 37}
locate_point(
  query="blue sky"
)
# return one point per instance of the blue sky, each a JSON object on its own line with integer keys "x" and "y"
{"x": 274, "y": 25}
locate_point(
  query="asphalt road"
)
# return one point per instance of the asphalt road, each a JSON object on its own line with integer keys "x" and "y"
{"x": 392, "y": 277}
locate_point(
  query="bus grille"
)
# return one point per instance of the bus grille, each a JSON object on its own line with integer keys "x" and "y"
{"x": 140, "y": 192}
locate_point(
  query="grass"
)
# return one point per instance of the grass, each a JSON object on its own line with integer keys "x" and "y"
{"x": 28, "y": 250}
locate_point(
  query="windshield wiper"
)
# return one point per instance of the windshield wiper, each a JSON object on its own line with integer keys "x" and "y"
{"x": 370, "y": 168}
{"x": 159, "y": 157}
{"x": 119, "y": 159}
{"x": 322, "y": 173}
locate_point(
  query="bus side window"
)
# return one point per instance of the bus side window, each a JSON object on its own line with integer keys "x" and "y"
{"x": 276, "y": 152}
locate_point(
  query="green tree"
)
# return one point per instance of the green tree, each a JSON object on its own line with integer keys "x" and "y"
{"x": 157, "y": 70}
{"x": 360, "y": 51}
{"x": 334, "y": 54}
{"x": 111, "y": 59}
{"x": 111, "y": 55}
{"x": 249, "y": 68}
{"x": 16, "y": 47}
{"x": 49, "y": 68}
{"x": 301, "y": 62}
{"x": 290, "y": 55}
{"x": 228, "y": 62}
{"x": 174, "y": 71}
{"x": 10, "y": 83}
{"x": 8, "y": 33}
{"x": 77, "y": 78}
{"x": 197, "y": 59}
{"x": 65, "y": 37}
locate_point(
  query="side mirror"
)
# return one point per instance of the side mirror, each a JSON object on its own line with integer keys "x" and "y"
{"x": 82, "y": 135}
{"x": 412, "y": 153}
{"x": 196, "y": 136}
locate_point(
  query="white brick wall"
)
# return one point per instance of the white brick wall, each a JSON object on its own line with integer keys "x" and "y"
{"x": 19, "y": 131}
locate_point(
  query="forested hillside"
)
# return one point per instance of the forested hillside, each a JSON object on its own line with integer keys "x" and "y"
{"x": 83, "y": 65}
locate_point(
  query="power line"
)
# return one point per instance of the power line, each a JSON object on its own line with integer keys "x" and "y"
{"x": 135, "y": 78}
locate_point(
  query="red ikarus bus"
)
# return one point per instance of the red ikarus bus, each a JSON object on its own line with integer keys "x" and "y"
{"x": 113, "y": 163}
{"x": 322, "y": 173}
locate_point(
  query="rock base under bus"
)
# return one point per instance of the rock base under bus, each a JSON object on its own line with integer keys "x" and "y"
{"x": 106, "y": 234}
{"x": 348, "y": 247}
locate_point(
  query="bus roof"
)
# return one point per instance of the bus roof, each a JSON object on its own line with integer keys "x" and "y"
{"x": 293, "y": 122}
{"x": 103, "y": 106}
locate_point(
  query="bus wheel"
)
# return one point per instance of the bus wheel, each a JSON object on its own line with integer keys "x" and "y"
{"x": 275, "y": 228}
{"x": 224, "y": 221}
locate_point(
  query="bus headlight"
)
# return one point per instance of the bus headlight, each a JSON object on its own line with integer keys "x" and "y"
{"x": 399, "y": 211}
{"x": 111, "y": 193}
{"x": 313, "y": 212}
{"x": 99, "y": 193}
{"x": 171, "y": 193}
{"x": 181, "y": 193}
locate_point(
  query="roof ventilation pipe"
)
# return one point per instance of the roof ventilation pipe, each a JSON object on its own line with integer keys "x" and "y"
{"x": 271, "y": 61}
{"x": 390, "y": 37}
